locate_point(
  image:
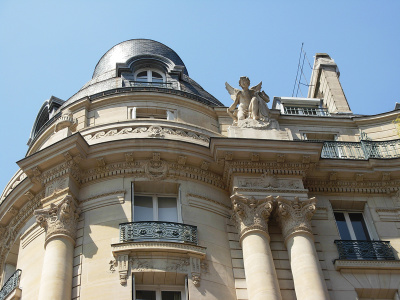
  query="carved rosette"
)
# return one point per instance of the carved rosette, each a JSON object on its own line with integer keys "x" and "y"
{"x": 251, "y": 214}
{"x": 59, "y": 219}
{"x": 295, "y": 216}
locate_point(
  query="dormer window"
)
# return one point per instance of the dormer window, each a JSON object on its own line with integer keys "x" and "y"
{"x": 149, "y": 76}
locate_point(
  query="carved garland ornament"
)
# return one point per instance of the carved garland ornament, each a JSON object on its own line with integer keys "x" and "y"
{"x": 251, "y": 214}
{"x": 59, "y": 219}
{"x": 295, "y": 216}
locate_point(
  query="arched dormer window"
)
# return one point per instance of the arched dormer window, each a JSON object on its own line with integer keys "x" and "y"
{"x": 149, "y": 75}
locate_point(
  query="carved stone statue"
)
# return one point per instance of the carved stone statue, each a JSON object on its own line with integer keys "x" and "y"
{"x": 251, "y": 102}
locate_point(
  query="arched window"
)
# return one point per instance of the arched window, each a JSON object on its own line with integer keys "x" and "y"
{"x": 149, "y": 76}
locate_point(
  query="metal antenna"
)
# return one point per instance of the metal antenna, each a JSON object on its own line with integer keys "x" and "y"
{"x": 298, "y": 68}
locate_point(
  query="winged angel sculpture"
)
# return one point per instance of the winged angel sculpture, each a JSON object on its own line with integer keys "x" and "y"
{"x": 251, "y": 103}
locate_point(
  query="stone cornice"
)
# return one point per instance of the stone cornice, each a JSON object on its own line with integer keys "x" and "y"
{"x": 374, "y": 265}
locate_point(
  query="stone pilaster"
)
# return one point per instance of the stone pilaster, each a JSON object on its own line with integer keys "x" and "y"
{"x": 295, "y": 220}
{"x": 251, "y": 216}
{"x": 59, "y": 222}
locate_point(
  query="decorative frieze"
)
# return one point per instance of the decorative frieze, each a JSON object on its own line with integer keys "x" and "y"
{"x": 295, "y": 216}
{"x": 59, "y": 219}
{"x": 148, "y": 131}
{"x": 340, "y": 186}
{"x": 251, "y": 214}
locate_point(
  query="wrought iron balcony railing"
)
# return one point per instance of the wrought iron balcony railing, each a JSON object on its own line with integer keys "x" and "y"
{"x": 306, "y": 111}
{"x": 364, "y": 250}
{"x": 361, "y": 150}
{"x": 158, "y": 231}
{"x": 10, "y": 285}
{"x": 165, "y": 85}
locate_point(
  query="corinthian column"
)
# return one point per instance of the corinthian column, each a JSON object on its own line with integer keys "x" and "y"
{"x": 252, "y": 216}
{"x": 295, "y": 220}
{"x": 59, "y": 222}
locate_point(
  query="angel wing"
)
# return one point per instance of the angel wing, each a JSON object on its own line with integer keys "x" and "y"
{"x": 232, "y": 91}
{"x": 257, "y": 87}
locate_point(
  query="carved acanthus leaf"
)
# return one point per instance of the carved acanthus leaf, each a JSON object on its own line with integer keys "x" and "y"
{"x": 59, "y": 219}
{"x": 295, "y": 216}
{"x": 250, "y": 213}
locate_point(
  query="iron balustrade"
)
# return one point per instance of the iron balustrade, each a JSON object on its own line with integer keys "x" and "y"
{"x": 11, "y": 284}
{"x": 165, "y": 85}
{"x": 361, "y": 150}
{"x": 364, "y": 250}
{"x": 158, "y": 231}
{"x": 306, "y": 111}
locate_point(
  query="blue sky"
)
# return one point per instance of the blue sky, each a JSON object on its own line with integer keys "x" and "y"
{"x": 51, "y": 48}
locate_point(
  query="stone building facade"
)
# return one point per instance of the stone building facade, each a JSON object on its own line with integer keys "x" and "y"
{"x": 143, "y": 185}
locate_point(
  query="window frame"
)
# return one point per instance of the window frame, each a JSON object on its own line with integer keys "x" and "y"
{"x": 371, "y": 233}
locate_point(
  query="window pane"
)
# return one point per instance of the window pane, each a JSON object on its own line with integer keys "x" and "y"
{"x": 143, "y": 210}
{"x": 142, "y": 76}
{"x": 359, "y": 227}
{"x": 156, "y": 75}
{"x": 170, "y": 295}
{"x": 145, "y": 295}
{"x": 342, "y": 226}
{"x": 167, "y": 209}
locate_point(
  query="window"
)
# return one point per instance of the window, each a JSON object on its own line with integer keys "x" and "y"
{"x": 152, "y": 113}
{"x": 351, "y": 226}
{"x": 155, "y": 208}
{"x": 149, "y": 76}
{"x": 149, "y": 293}
{"x": 156, "y": 202}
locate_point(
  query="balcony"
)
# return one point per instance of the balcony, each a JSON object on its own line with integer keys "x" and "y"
{"x": 364, "y": 250}
{"x": 306, "y": 111}
{"x": 11, "y": 285}
{"x": 158, "y": 231}
{"x": 164, "y": 85}
{"x": 363, "y": 150}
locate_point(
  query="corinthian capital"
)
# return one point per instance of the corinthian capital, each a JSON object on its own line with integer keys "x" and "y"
{"x": 251, "y": 214}
{"x": 295, "y": 216}
{"x": 60, "y": 219}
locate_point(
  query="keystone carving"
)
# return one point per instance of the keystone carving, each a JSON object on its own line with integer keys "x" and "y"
{"x": 59, "y": 219}
{"x": 251, "y": 214}
{"x": 295, "y": 216}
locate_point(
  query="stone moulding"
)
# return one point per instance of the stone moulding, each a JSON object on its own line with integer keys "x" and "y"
{"x": 163, "y": 169}
{"x": 378, "y": 265}
{"x": 13, "y": 183}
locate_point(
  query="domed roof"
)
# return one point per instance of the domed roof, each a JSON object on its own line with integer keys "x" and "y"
{"x": 124, "y": 51}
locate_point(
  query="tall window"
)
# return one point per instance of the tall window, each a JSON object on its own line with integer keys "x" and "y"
{"x": 155, "y": 208}
{"x": 351, "y": 226}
